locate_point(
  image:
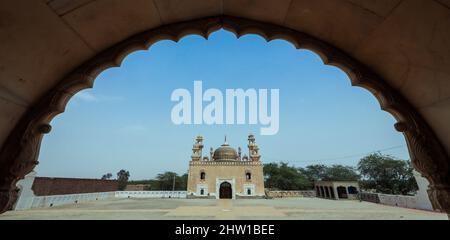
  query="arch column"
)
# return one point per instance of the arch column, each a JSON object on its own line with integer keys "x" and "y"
{"x": 429, "y": 159}
{"x": 331, "y": 189}
{"x": 19, "y": 153}
{"x": 336, "y": 197}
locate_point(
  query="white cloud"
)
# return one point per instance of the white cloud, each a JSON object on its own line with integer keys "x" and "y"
{"x": 110, "y": 98}
{"x": 86, "y": 97}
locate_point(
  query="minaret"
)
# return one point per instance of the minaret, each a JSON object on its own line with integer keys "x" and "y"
{"x": 211, "y": 153}
{"x": 253, "y": 149}
{"x": 240, "y": 153}
{"x": 197, "y": 149}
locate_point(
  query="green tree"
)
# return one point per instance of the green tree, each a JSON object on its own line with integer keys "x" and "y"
{"x": 284, "y": 177}
{"x": 314, "y": 172}
{"x": 107, "y": 176}
{"x": 386, "y": 174}
{"x": 181, "y": 183}
{"x": 122, "y": 179}
{"x": 340, "y": 173}
{"x": 166, "y": 180}
{"x": 319, "y": 172}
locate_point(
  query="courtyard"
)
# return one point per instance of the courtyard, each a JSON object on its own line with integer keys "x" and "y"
{"x": 242, "y": 209}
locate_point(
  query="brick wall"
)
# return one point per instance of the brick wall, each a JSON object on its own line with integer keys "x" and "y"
{"x": 45, "y": 186}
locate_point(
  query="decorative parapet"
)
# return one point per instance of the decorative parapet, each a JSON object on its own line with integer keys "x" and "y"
{"x": 225, "y": 163}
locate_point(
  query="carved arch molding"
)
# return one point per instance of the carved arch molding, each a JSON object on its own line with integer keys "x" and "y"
{"x": 19, "y": 154}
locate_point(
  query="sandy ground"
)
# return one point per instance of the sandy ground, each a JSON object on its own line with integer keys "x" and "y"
{"x": 293, "y": 208}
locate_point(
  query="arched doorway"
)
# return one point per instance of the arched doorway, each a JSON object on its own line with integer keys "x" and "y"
{"x": 202, "y": 175}
{"x": 352, "y": 190}
{"x": 225, "y": 191}
{"x": 342, "y": 192}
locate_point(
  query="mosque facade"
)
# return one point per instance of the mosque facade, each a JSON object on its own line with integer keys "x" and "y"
{"x": 225, "y": 173}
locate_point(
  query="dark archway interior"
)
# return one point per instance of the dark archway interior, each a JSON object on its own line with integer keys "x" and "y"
{"x": 331, "y": 192}
{"x": 342, "y": 192}
{"x": 225, "y": 191}
{"x": 352, "y": 190}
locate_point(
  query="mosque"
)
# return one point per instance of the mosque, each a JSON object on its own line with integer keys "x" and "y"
{"x": 225, "y": 173}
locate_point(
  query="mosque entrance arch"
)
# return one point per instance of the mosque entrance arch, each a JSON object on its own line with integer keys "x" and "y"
{"x": 225, "y": 191}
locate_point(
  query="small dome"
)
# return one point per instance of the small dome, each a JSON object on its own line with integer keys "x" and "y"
{"x": 225, "y": 153}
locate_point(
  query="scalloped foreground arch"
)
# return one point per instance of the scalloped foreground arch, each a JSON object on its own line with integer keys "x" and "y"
{"x": 19, "y": 154}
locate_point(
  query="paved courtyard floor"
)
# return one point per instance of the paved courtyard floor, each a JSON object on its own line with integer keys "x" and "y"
{"x": 292, "y": 208}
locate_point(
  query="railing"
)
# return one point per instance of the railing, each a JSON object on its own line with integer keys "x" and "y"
{"x": 150, "y": 194}
{"x": 286, "y": 194}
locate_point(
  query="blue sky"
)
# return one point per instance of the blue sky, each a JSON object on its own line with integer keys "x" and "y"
{"x": 125, "y": 120}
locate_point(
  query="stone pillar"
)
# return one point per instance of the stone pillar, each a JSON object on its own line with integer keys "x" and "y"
{"x": 336, "y": 197}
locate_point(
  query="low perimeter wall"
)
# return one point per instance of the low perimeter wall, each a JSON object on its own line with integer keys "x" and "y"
{"x": 57, "y": 200}
{"x": 395, "y": 200}
{"x": 287, "y": 194}
{"x": 31, "y": 201}
{"x": 150, "y": 194}
{"x": 398, "y": 200}
{"x": 369, "y": 197}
